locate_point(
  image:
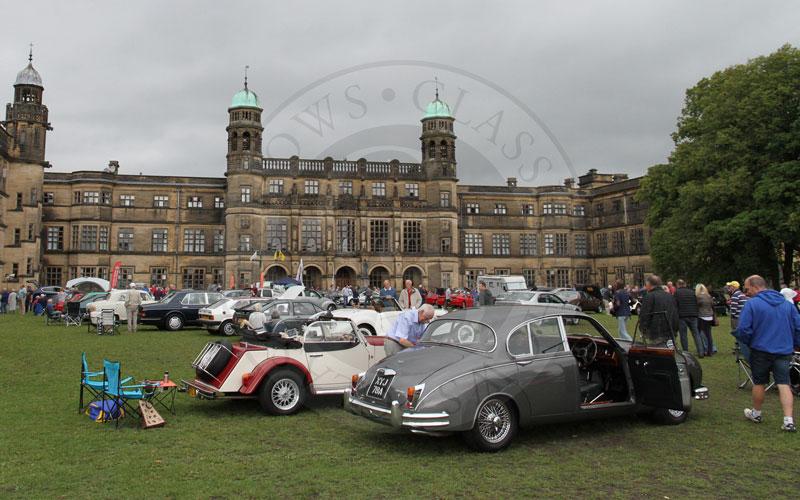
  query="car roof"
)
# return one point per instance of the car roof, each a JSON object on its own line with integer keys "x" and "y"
{"x": 502, "y": 318}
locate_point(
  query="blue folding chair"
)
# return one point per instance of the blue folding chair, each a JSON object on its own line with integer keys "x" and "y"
{"x": 92, "y": 382}
{"x": 115, "y": 388}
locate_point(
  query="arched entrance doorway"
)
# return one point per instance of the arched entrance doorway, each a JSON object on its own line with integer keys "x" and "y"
{"x": 274, "y": 273}
{"x": 377, "y": 276}
{"x": 312, "y": 277}
{"x": 345, "y": 275}
{"x": 414, "y": 274}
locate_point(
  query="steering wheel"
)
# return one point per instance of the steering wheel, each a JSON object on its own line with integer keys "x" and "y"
{"x": 586, "y": 353}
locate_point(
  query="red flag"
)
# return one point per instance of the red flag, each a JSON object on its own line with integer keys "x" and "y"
{"x": 231, "y": 282}
{"x": 261, "y": 280}
{"x": 115, "y": 274}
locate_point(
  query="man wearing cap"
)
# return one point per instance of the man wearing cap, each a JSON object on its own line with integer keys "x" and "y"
{"x": 133, "y": 300}
{"x": 407, "y": 329}
{"x": 737, "y": 302}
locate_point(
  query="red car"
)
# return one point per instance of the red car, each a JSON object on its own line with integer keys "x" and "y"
{"x": 435, "y": 297}
{"x": 461, "y": 299}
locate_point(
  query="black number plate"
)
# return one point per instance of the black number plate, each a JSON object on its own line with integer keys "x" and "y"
{"x": 380, "y": 386}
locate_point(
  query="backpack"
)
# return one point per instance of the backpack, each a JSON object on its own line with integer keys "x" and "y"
{"x": 105, "y": 410}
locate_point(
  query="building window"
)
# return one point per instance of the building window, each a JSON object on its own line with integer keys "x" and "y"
{"x": 637, "y": 241}
{"x": 277, "y": 231}
{"x": 502, "y": 271}
{"x": 379, "y": 236}
{"x": 125, "y": 239}
{"x": 602, "y": 274}
{"x": 19, "y": 201}
{"x": 412, "y": 190}
{"x": 194, "y": 202}
{"x": 602, "y": 244}
{"x": 446, "y": 245}
{"x": 218, "y": 276}
{"x": 471, "y": 277}
{"x": 159, "y": 243}
{"x": 17, "y": 236}
{"x": 55, "y": 238}
{"x": 219, "y": 241}
{"x": 412, "y": 236}
{"x": 561, "y": 244}
{"x": 76, "y": 234}
{"x": 219, "y": 202}
{"x": 91, "y": 198}
{"x": 15, "y": 270}
{"x": 444, "y": 199}
{"x": 50, "y": 199}
{"x": 311, "y": 186}
{"x": 549, "y": 248}
{"x": 194, "y": 278}
{"x": 527, "y": 209}
{"x": 562, "y": 277}
{"x": 547, "y": 209}
{"x": 619, "y": 273}
{"x": 126, "y": 200}
{"x": 245, "y": 163}
{"x": 105, "y": 197}
{"x": 581, "y": 245}
{"x": 618, "y": 242}
{"x": 125, "y": 277}
{"x": 473, "y": 244}
{"x": 346, "y": 235}
{"x": 103, "y": 240}
{"x": 559, "y": 209}
{"x": 158, "y": 276}
{"x": 378, "y": 189}
{"x": 581, "y": 276}
{"x": 579, "y": 210}
{"x": 89, "y": 238}
{"x": 276, "y": 186}
{"x": 638, "y": 275}
{"x": 473, "y": 208}
{"x": 194, "y": 241}
{"x": 53, "y": 276}
{"x": 530, "y": 277}
{"x": 76, "y": 200}
{"x": 447, "y": 280}
{"x": 346, "y": 188}
{"x": 102, "y": 272}
{"x": 599, "y": 209}
{"x": 616, "y": 206}
{"x": 500, "y": 209}
{"x": 501, "y": 244}
{"x": 160, "y": 201}
{"x": 244, "y": 242}
{"x": 311, "y": 235}
{"x": 550, "y": 278}
{"x": 245, "y": 192}
{"x": 528, "y": 244}
{"x": 88, "y": 272}
{"x": 31, "y": 231}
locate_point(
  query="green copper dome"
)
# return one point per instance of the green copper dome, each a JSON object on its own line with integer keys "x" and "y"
{"x": 438, "y": 109}
{"x": 245, "y": 98}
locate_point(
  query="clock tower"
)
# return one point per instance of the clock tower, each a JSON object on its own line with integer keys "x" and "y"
{"x": 26, "y": 118}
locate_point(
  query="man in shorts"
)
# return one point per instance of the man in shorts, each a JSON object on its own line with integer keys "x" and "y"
{"x": 770, "y": 327}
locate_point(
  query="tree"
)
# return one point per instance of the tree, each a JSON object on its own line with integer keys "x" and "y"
{"x": 727, "y": 203}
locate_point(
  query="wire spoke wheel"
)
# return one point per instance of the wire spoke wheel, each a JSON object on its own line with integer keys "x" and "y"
{"x": 494, "y": 421}
{"x": 285, "y": 394}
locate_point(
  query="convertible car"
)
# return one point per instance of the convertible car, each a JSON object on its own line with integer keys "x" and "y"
{"x": 377, "y": 316}
{"x": 283, "y": 365}
{"x": 486, "y": 372}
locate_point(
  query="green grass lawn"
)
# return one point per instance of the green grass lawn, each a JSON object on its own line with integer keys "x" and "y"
{"x": 230, "y": 449}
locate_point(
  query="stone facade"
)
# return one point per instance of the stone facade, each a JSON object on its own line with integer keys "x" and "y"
{"x": 357, "y": 222}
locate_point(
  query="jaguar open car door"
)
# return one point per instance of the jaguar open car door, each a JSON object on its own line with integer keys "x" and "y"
{"x": 658, "y": 379}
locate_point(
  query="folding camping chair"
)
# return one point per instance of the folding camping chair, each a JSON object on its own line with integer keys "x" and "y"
{"x": 53, "y": 317}
{"x": 115, "y": 389}
{"x": 744, "y": 373}
{"x": 92, "y": 382}
{"x": 107, "y": 322}
{"x": 73, "y": 315}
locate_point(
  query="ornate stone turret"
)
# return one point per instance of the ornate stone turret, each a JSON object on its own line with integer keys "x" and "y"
{"x": 438, "y": 140}
{"x": 26, "y": 118}
{"x": 244, "y": 130}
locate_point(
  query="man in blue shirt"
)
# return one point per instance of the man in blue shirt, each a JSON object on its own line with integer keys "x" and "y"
{"x": 770, "y": 327}
{"x": 388, "y": 290}
{"x": 407, "y": 329}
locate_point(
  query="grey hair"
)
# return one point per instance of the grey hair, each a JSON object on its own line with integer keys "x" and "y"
{"x": 654, "y": 280}
{"x": 427, "y": 310}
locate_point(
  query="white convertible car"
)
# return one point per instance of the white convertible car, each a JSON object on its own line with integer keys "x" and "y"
{"x": 116, "y": 301}
{"x": 378, "y": 318}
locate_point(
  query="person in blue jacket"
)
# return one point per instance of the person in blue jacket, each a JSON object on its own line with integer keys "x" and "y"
{"x": 770, "y": 327}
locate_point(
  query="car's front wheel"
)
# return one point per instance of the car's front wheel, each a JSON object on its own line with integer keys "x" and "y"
{"x": 283, "y": 393}
{"x": 670, "y": 417}
{"x": 495, "y": 426}
{"x": 227, "y": 328}
{"x": 173, "y": 322}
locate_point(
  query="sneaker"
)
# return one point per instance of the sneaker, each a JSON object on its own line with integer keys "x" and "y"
{"x": 748, "y": 414}
{"x": 789, "y": 427}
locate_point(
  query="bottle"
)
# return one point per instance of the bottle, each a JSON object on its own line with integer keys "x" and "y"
{"x": 166, "y": 377}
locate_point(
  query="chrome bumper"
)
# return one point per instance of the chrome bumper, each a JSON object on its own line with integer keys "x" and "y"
{"x": 701, "y": 393}
{"x": 395, "y": 416}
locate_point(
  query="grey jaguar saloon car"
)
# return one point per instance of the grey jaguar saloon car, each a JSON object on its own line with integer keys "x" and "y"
{"x": 486, "y": 372}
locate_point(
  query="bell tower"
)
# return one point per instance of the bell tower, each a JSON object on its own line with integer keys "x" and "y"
{"x": 26, "y": 117}
{"x": 244, "y": 130}
{"x": 438, "y": 140}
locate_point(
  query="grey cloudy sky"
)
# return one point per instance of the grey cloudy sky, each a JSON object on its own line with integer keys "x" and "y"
{"x": 593, "y": 84}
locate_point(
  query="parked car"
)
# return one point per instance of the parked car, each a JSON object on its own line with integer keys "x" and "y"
{"x": 219, "y": 316}
{"x": 540, "y": 299}
{"x": 486, "y": 372}
{"x": 461, "y": 299}
{"x": 88, "y": 298}
{"x": 281, "y": 371}
{"x": 299, "y": 307}
{"x": 177, "y": 309}
{"x": 235, "y": 294}
{"x": 377, "y": 317}
{"x": 49, "y": 291}
{"x": 582, "y": 299}
{"x": 116, "y": 301}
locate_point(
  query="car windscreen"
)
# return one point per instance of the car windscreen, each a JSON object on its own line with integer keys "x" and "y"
{"x": 167, "y": 297}
{"x": 460, "y": 333}
{"x": 516, "y": 296}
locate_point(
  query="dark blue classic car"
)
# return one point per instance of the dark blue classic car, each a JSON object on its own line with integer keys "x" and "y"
{"x": 486, "y": 372}
{"x": 177, "y": 309}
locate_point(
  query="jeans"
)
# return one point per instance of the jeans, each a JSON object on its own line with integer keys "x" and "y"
{"x": 699, "y": 342}
{"x": 622, "y": 321}
{"x": 705, "y": 331}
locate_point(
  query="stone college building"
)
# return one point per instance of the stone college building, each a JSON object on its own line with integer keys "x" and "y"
{"x": 356, "y": 222}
